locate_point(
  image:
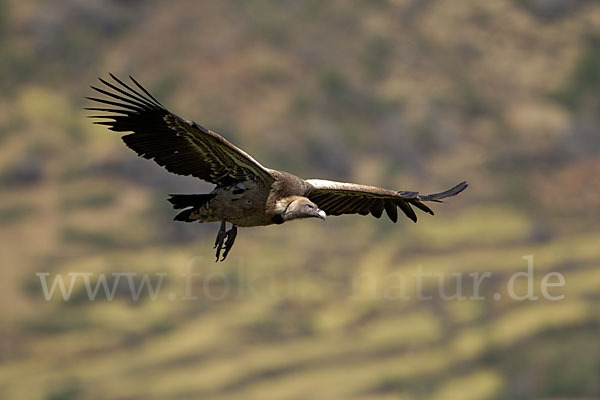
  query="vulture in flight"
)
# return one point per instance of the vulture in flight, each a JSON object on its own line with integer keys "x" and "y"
{"x": 246, "y": 193}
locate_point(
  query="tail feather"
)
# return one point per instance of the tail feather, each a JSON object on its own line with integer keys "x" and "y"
{"x": 184, "y": 215}
{"x": 189, "y": 202}
{"x": 180, "y": 201}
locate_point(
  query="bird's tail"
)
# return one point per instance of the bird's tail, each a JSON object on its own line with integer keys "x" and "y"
{"x": 190, "y": 202}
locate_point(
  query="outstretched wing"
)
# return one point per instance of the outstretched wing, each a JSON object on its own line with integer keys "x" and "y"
{"x": 182, "y": 147}
{"x": 337, "y": 198}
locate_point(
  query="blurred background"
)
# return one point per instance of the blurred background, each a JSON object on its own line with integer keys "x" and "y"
{"x": 406, "y": 94}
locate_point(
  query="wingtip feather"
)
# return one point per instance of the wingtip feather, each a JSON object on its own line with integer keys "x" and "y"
{"x": 448, "y": 193}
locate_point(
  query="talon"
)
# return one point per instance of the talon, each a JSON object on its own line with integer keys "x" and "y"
{"x": 231, "y": 234}
{"x": 221, "y": 235}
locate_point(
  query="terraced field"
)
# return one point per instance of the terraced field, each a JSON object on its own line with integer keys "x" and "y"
{"x": 402, "y": 94}
{"x": 314, "y": 326}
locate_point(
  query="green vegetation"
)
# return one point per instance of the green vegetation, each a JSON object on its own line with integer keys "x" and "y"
{"x": 88, "y": 200}
{"x": 405, "y": 94}
{"x": 15, "y": 213}
{"x": 584, "y": 85}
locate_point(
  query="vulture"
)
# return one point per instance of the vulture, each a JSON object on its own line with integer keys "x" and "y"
{"x": 246, "y": 193}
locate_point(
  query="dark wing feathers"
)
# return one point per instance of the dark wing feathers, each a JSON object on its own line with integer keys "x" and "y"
{"x": 377, "y": 209}
{"x": 182, "y": 147}
{"x": 390, "y": 210}
{"x": 337, "y": 198}
{"x": 406, "y": 209}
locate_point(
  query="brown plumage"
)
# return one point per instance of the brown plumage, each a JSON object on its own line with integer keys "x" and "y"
{"x": 246, "y": 193}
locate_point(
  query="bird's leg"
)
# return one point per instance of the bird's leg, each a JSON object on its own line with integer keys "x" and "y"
{"x": 221, "y": 235}
{"x": 231, "y": 234}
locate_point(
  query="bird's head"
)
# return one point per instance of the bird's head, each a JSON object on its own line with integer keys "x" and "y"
{"x": 301, "y": 207}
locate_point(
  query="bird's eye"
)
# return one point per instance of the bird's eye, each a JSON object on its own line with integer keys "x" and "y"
{"x": 308, "y": 206}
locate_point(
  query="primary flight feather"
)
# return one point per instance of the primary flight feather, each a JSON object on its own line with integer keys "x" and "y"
{"x": 246, "y": 193}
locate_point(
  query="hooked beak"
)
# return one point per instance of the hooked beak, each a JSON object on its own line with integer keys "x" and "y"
{"x": 321, "y": 214}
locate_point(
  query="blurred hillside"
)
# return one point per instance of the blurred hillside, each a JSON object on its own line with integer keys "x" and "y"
{"x": 406, "y": 94}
